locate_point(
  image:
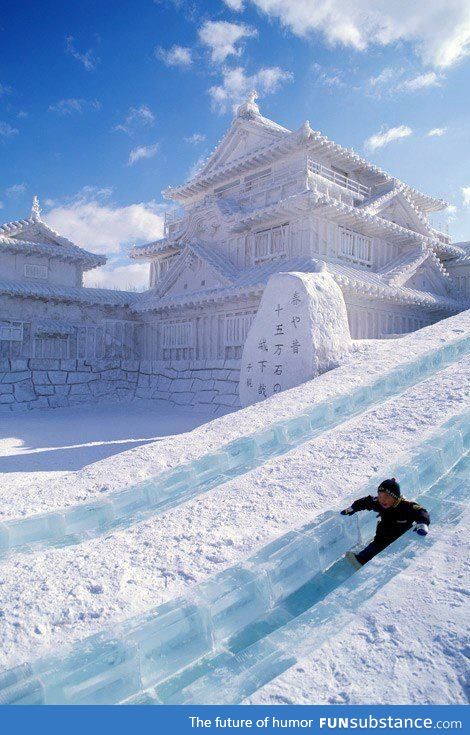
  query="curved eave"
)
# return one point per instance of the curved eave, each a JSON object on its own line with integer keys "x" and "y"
{"x": 147, "y": 252}
{"x": 315, "y": 143}
{"x": 69, "y": 253}
{"x": 345, "y": 215}
{"x": 67, "y": 294}
{"x": 383, "y": 292}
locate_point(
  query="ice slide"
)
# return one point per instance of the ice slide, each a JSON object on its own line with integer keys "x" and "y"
{"x": 166, "y": 490}
{"x": 237, "y": 631}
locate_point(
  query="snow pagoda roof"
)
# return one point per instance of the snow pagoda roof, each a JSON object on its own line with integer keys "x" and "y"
{"x": 252, "y": 281}
{"x": 253, "y": 140}
{"x": 73, "y": 294}
{"x": 33, "y": 236}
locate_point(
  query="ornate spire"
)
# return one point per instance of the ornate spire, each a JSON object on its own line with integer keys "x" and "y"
{"x": 35, "y": 209}
{"x": 249, "y": 108}
{"x": 305, "y": 130}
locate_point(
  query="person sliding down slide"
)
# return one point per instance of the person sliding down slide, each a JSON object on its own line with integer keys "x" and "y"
{"x": 397, "y": 515}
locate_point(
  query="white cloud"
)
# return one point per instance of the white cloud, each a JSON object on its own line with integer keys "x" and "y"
{"x": 15, "y": 190}
{"x": 328, "y": 77}
{"x": 1, "y": 205}
{"x": 466, "y": 196}
{"x": 437, "y": 132}
{"x": 4, "y": 89}
{"x": 438, "y": 30}
{"x": 222, "y": 38}
{"x": 86, "y": 58}
{"x": 236, "y": 85}
{"x": 92, "y": 221}
{"x": 73, "y": 104}
{"x": 142, "y": 151}
{"x": 141, "y": 115}
{"x": 392, "y": 80}
{"x": 385, "y": 76}
{"x": 379, "y": 140}
{"x": 6, "y": 130}
{"x": 175, "y": 56}
{"x": 195, "y": 138}
{"x": 429, "y": 79}
{"x": 133, "y": 277}
{"x": 236, "y": 5}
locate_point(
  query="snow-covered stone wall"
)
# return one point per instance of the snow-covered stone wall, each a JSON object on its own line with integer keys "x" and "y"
{"x": 51, "y": 383}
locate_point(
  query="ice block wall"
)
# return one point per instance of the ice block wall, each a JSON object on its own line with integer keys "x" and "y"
{"x": 146, "y": 651}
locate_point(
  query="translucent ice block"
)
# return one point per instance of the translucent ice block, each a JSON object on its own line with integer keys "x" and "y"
{"x": 362, "y": 397}
{"x": 170, "y": 689}
{"x": 209, "y": 466}
{"x": 367, "y": 523}
{"x": 307, "y": 632}
{"x": 99, "y": 670}
{"x": 87, "y": 517}
{"x": 127, "y": 502}
{"x": 270, "y": 442}
{"x": 462, "y": 424}
{"x": 272, "y": 620}
{"x": 340, "y": 406}
{"x": 289, "y": 561}
{"x": 334, "y": 537}
{"x": 320, "y": 415}
{"x": 450, "y": 446}
{"x": 25, "y": 692}
{"x": 46, "y": 526}
{"x": 169, "y": 638}
{"x": 234, "y": 599}
{"x": 241, "y": 675}
{"x": 4, "y": 538}
{"x": 14, "y": 675}
{"x": 429, "y": 466}
{"x": 407, "y": 477}
{"x": 297, "y": 429}
{"x": 241, "y": 453}
{"x": 170, "y": 484}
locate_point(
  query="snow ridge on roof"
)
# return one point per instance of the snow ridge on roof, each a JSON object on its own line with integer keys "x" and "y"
{"x": 10, "y": 238}
{"x": 254, "y": 279}
{"x": 50, "y": 291}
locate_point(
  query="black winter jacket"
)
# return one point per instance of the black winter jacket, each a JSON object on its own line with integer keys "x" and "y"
{"x": 393, "y": 521}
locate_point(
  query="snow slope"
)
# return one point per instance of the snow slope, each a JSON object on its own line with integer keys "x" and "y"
{"x": 409, "y": 645}
{"x": 62, "y": 594}
{"x": 24, "y": 494}
{"x": 58, "y": 595}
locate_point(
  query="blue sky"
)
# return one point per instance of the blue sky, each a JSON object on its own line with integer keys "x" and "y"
{"x": 103, "y": 104}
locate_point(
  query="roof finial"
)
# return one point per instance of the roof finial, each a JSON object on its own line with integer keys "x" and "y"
{"x": 305, "y": 130}
{"x": 35, "y": 209}
{"x": 249, "y": 108}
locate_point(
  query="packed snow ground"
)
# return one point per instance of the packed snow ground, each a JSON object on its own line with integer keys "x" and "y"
{"x": 58, "y": 595}
{"x": 25, "y": 494}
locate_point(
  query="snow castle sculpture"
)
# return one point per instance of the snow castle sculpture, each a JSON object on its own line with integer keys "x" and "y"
{"x": 300, "y": 331}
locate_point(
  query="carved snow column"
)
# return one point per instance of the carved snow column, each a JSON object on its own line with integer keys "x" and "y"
{"x": 300, "y": 331}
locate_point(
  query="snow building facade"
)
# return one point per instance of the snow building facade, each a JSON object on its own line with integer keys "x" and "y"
{"x": 267, "y": 200}
{"x": 270, "y": 200}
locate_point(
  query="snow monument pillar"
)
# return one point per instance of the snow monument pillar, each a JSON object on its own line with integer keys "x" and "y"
{"x": 300, "y": 331}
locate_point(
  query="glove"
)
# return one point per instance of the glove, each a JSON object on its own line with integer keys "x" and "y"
{"x": 348, "y": 511}
{"x": 421, "y": 529}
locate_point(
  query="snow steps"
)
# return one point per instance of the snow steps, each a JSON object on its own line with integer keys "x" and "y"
{"x": 169, "y": 489}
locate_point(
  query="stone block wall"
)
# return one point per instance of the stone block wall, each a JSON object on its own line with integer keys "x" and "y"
{"x": 51, "y": 383}
{"x": 205, "y": 382}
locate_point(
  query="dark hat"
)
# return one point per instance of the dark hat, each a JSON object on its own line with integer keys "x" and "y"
{"x": 391, "y": 487}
